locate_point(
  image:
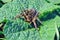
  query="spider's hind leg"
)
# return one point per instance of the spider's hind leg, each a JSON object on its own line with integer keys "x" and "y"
{"x": 35, "y": 26}
{"x": 39, "y": 20}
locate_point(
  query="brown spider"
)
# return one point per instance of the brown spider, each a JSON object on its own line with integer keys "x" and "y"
{"x": 30, "y": 16}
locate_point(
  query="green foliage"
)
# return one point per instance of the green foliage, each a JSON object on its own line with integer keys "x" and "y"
{"x": 1, "y": 3}
{"x": 5, "y": 1}
{"x": 18, "y": 29}
{"x": 15, "y": 7}
{"x": 57, "y": 20}
{"x": 47, "y": 32}
{"x": 54, "y": 1}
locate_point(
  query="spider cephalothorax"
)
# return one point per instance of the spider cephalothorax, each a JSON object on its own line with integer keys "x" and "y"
{"x": 30, "y": 16}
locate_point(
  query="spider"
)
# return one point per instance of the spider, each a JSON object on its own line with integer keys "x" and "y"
{"x": 30, "y": 16}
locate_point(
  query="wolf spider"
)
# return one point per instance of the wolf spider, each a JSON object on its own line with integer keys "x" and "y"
{"x": 30, "y": 16}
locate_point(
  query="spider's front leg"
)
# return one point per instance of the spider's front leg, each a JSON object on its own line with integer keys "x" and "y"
{"x": 19, "y": 16}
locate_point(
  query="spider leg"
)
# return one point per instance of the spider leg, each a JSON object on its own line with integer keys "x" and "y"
{"x": 16, "y": 16}
{"x": 19, "y": 16}
{"x": 39, "y": 20}
{"x": 35, "y": 24}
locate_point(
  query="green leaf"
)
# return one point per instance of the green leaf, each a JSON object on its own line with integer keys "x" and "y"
{"x": 54, "y": 1}
{"x": 47, "y": 32}
{"x": 57, "y": 20}
{"x": 24, "y": 35}
{"x": 19, "y": 29}
{"x": 14, "y": 30}
{"x": 11, "y": 9}
{"x": 15, "y": 24}
{"x": 5, "y": 1}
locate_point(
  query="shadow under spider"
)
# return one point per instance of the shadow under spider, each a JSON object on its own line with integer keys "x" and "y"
{"x": 50, "y": 15}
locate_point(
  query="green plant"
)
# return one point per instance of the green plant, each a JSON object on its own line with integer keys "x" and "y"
{"x": 20, "y": 30}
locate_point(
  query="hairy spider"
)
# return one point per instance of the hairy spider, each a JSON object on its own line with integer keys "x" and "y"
{"x": 30, "y": 16}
